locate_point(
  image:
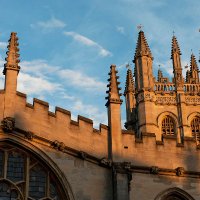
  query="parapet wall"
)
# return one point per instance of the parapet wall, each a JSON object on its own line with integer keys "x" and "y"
{"x": 59, "y": 126}
{"x": 165, "y": 154}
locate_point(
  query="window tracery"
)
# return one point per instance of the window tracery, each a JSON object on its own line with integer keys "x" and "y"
{"x": 168, "y": 127}
{"x": 195, "y": 127}
{"x": 23, "y": 177}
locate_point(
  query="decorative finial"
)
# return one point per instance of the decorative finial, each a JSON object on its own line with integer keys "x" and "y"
{"x": 128, "y": 66}
{"x": 173, "y": 33}
{"x": 186, "y": 66}
{"x": 139, "y": 27}
{"x": 158, "y": 66}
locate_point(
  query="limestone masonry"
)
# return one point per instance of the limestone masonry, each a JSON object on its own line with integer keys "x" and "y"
{"x": 48, "y": 156}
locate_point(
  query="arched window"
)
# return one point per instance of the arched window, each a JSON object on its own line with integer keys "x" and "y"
{"x": 24, "y": 176}
{"x": 168, "y": 127}
{"x": 195, "y": 127}
{"x": 174, "y": 194}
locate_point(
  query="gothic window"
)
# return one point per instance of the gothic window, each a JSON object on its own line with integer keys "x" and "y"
{"x": 195, "y": 127}
{"x": 23, "y": 177}
{"x": 168, "y": 127}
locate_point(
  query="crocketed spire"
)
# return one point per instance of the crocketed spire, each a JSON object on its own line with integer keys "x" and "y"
{"x": 193, "y": 63}
{"x": 194, "y": 71}
{"x": 175, "y": 47}
{"x": 130, "y": 86}
{"x": 113, "y": 87}
{"x": 142, "y": 47}
{"x": 12, "y": 54}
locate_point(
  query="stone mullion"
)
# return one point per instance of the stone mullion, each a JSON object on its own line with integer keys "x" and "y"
{"x": 27, "y": 177}
{"x": 5, "y": 164}
{"x": 48, "y": 185}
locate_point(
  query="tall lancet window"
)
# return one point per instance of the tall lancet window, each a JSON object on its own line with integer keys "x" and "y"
{"x": 195, "y": 127}
{"x": 168, "y": 126}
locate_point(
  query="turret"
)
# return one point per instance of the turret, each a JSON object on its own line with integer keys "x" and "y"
{"x": 129, "y": 94}
{"x": 177, "y": 69}
{"x": 11, "y": 70}
{"x": 143, "y": 65}
{"x": 114, "y": 114}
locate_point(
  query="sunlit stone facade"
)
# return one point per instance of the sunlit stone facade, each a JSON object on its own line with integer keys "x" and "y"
{"x": 48, "y": 156}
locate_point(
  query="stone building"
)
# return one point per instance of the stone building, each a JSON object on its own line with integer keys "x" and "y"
{"x": 48, "y": 156}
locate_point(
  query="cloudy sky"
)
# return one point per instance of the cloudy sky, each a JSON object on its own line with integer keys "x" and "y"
{"x": 67, "y": 46}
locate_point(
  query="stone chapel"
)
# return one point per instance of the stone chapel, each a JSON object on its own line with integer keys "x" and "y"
{"x": 47, "y": 156}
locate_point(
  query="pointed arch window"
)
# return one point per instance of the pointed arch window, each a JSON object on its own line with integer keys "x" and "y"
{"x": 23, "y": 176}
{"x": 168, "y": 126}
{"x": 195, "y": 128}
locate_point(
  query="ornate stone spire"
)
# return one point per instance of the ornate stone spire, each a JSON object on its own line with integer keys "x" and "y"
{"x": 12, "y": 54}
{"x": 194, "y": 71}
{"x": 175, "y": 47}
{"x": 177, "y": 69}
{"x": 113, "y": 87}
{"x": 142, "y": 47}
{"x": 130, "y": 85}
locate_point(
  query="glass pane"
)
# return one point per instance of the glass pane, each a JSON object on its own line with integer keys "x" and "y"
{"x": 37, "y": 183}
{"x": 6, "y": 193}
{"x": 53, "y": 191}
{"x": 15, "y": 169}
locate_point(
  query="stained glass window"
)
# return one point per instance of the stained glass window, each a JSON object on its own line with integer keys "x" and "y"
{"x": 25, "y": 177}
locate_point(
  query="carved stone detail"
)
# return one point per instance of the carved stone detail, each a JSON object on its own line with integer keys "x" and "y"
{"x": 165, "y": 100}
{"x": 58, "y": 145}
{"x": 192, "y": 100}
{"x": 29, "y": 135}
{"x": 83, "y": 155}
{"x": 8, "y": 124}
{"x": 105, "y": 162}
{"x": 154, "y": 170}
{"x": 144, "y": 97}
{"x": 180, "y": 171}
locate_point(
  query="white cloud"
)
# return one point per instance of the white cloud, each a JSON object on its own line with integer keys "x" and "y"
{"x": 49, "y": 24}
{"x": 38, "y": 67}
{"x": 35, "y": 85}
{"x": 91, "y": 111}
{"x": 78, "y": 79}
{"x": 88, "y": 42}
{"x": 3, "y": 45}
{"x": 121, "y": 29}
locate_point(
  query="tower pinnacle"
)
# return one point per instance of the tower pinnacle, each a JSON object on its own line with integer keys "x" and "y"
{"x": 142, "y": 47}
{"x": 113, "y": 89}
{"x": 175, "y": 47}
{"x": 12, "y": 54}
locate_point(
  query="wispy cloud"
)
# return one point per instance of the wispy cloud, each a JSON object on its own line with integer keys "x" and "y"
{"x": 52, "y": 23}
{"x": 121, "y": 29}
{"x": 91, "y": 111}
{"x": 36, "y": 85}
{"x": 3, "y": 45}
{"x": 88, "y": 42}
{"x": 78, "y": 79}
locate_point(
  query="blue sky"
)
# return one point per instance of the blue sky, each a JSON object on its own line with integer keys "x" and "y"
{"x": 66, "y": 47}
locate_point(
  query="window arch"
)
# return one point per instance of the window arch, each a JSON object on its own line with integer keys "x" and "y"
{"x": 195, "y": 128}
{"x": 168, "y": 126}
{"x": 174, "y": 194}
{"x": 23, "y": 176}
